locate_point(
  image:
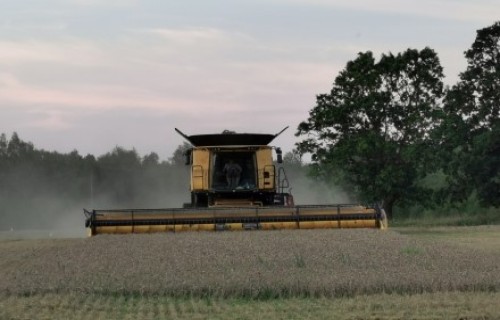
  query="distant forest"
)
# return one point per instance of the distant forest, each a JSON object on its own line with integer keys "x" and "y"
{"x": 40, "y": 189}
{"x": 389, "y": 131}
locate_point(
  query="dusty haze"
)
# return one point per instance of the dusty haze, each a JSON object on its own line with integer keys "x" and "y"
{"x": 39, "y": 207}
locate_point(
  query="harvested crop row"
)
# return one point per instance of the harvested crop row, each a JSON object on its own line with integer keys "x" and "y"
{"x": 250, "y": 264}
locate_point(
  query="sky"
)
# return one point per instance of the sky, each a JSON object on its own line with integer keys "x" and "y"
{"x": 90, "y": 75}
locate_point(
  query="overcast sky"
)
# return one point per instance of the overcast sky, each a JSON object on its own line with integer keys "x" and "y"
{"x": 94, "y": 74}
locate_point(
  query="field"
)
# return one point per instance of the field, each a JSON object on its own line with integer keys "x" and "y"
{"x": 446, "y": 272}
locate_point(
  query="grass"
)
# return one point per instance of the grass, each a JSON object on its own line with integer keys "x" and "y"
{"x": 299, "y": 261}
{"x": 430, "y": 220}
{"x": 485, "y": 238}
{"x": 411, "y": 250}
{"x": 416, "y": 273}
{"x": 468, "y": 213}
{"x": 449, "y": 305}
{"x": 259, "y": 264}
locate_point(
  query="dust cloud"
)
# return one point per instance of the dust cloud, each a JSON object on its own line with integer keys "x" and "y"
{"x": 34, "y": 208}
{"x": 44, "y": 206}
{"x": 306, "y": 190}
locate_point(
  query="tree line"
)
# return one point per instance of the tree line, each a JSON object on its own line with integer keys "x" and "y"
{"x": 39, "y": 188}
{"x": 389, "y": 127}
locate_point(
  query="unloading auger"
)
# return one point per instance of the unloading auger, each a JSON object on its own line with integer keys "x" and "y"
{"x": 235, "y": 185}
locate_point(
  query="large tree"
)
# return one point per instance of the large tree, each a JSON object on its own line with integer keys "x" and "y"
{"x": 469, "y": 133}
{"x": 372, "y": 130}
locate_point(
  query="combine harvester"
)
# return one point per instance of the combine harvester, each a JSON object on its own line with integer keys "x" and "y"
{"x": 235, "y": 185}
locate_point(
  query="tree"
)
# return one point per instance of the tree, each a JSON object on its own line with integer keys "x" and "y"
{"x": 468, "y": 134}
{"x": 117, "y": 175}
{"x": 178, "y": 158}
{"x": 3, "y": 145}
{"x": 17, "y": 148}
{"x": 151, "y": 160}
{"x": 293, "y": 158}
{"x": 484, "y": 166}
{"x": 372, "y": 131}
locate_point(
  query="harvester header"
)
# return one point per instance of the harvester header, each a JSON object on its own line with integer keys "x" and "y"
{"x": 235, "y": 185}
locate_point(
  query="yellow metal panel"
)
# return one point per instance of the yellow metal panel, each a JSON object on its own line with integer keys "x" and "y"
{"x": 318, "y": 224}
{"x": 194, "y": 227}
{"x": 113, "y": 230}
{"x": 236, "y": 226}
{"x": 200, "y": 169}
{"x": 265, "y": 168}
{"x": 153, "y": 228}
{"x": 358, "y": 224}
{"x": 233, "y": 226}
{"x": 278, "y": 225}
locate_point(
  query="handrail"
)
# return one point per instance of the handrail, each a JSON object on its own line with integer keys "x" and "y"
{"x": 282, "y": 183}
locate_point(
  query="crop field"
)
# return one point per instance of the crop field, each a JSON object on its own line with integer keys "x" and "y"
{"x": 402, "y": 273}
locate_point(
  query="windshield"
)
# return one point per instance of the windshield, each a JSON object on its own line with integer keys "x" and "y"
{"x": 233, "y": 170}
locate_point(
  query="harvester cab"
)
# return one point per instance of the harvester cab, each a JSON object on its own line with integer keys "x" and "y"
{"x": 235, "y": 185}
{"x": 235, "y": 169}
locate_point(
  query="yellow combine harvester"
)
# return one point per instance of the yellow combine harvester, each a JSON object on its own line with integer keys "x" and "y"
{"x": 235, "y": 185}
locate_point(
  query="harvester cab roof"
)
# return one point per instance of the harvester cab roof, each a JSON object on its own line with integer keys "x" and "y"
{"x": 230, "y": 138}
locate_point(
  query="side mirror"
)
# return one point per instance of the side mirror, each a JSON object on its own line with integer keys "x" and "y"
{"x": 279, "y": 155}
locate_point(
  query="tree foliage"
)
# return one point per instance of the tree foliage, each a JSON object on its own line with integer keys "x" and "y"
{"x": 385, "y": 124}
{"x": 469, "y": 133}
{"x": 372, "y": 131}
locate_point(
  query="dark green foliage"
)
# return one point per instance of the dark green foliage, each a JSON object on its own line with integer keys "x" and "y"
{"x": 118, "y": 173}
{"x": 469, "y": 135}
{"x": 372, "y": 131}
{"x": 484, "y": 166}
{"x": 387, "y": 127}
